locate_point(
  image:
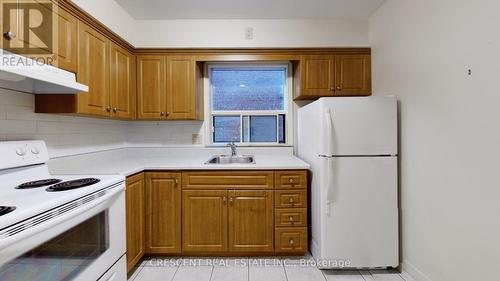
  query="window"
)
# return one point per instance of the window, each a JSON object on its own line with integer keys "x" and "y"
{"x": 248, "y": 103}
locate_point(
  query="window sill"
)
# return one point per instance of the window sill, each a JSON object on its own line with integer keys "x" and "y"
{"x": 249, "y": 145}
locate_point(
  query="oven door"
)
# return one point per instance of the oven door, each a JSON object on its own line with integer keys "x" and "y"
{"x": 80, "y": 241}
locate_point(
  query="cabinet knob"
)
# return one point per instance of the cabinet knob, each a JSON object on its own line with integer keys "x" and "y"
{"x": 115, "y": 109}
{"x": 108, "y": 108}
{"x": 168, "y": 113}
{"x": 231, "y": 201}
{"x": 291, "y": 242}
{"x": 291, "y": 200}
{"x": 291, "y": 218}
{"x": 162, "y": 113}
{"x": 339, "y": 88}
{"x": 332, "y": 89}
{"x": 9, "y": 35}
{"x": 176, "y": 182}
{"x": 224, "y": 199}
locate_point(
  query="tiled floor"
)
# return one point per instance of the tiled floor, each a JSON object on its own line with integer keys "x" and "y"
{"x": 250, "y": 269}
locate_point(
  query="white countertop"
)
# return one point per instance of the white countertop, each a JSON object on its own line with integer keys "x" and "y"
{"x": 128, "y": 161}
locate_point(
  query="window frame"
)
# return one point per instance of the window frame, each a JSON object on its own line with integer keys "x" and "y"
{"x": 288, "y": 102}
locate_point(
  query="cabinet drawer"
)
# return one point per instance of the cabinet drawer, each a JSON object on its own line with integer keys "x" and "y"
{"x": 290, "y": 217}
{"x": 291, "y": 239}
{"x": 290, "y": 198}
{"x": 291, "y": 179}
{"x": 228, "y": 180}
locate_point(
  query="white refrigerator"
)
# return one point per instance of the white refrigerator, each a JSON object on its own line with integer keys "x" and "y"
{"x": 351, "y": 145}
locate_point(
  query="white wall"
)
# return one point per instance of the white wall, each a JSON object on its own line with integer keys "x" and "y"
{"x": 68, "y": 135}
{"x": 267, "y": 33}
{"x": 112, "y": 15}
{"x": 450, "y": 131}
{"x": 227, "y": 33}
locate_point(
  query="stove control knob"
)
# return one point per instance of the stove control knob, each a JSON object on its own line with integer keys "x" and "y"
{"x": 35, "y": 150}
{"x": 21, "y": 151}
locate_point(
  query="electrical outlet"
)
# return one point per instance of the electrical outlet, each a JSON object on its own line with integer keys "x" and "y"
{"x": 249, "y": 33}
{"x": 196, "y": 138}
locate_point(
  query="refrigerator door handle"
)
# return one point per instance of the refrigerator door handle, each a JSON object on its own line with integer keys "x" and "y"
{"x": 329, "y": 131}
{"x": 330, "y": 186}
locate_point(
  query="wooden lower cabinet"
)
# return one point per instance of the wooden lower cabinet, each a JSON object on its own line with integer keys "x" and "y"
{"x": 163, "y": 212}
{"x": 135, "y": 216}
{"x": 204, "y": 221}
{"x": 251, "y": 221}
{"x": 212, "y": 213}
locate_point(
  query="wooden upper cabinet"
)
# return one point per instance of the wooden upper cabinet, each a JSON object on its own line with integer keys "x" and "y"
{"x": 135, "y": 216}
{"x": 151, "y": 87}
{"x": 168, "y": 88}
{"x": 93, "y": 70}
{"x": 333, "y": 75}
{"x": 181, "y": 88}
{"x": 318, "y": 76}
{"x": 67, "y": 46}
{"x": 353, "y": 75}
{"x": 251, "y": 221}
{"x": 204, "y": 220}
{"x": 121, "y": 82}
{"x": 163, "y": 205}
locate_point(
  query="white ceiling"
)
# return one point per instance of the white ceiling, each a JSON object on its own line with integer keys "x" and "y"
{"x": 250, "y": 9}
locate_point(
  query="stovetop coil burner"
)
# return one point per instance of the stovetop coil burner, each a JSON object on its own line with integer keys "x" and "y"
{"x": 6, "y": 209}
{"x": 73, "y": 184}
{"x": 38, "y": 183}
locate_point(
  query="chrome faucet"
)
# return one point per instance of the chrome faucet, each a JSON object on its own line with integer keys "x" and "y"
{"x": 233, "y": 146}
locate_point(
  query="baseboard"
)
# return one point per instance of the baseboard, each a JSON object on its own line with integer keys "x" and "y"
{"x": 414, "y": 272}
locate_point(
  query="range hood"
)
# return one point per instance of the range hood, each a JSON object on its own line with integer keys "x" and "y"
{"x": 26, "y": 75}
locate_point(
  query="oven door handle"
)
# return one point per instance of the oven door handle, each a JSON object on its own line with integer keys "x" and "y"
{"x": 21, "y": 231}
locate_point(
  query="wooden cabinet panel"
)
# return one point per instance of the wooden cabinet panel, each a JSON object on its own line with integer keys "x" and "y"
{"x": 317, "y": 76}
{"x": 228, "y": 180}
{"x": 151, "y": 87}
{"x": 290, "y": 217}
{"x": 122, "y": 82}
{"x": 163, "y": 212}
{"x": 251, "y": 223}
{"x": 290, "y": 198}
{"x": 181, "y": 88}
{"x": 135, "y": 216}
{"x": 353, "y": 75}
{"x": 93, "y": 70}
{"x": 67, "y": 41}
{"x": 291, "y": 179}
{"x": 204, "y": 221}
{"x": 291, "y": 239}
{"x": 333, "y": 75}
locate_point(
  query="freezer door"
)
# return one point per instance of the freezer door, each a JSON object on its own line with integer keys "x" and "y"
{"x": 360, "y": 126}
{"x": 359, "y": 218}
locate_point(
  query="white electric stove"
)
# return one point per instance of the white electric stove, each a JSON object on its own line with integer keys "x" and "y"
{"x": 58, "y": 227}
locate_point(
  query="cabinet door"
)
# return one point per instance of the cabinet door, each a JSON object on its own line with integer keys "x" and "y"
{"x": 135, "y": 214}
{"x": 67, "y": 41}
{"x": 317, "y": 76}
{"x": 163, "y": 207}
{"x": 204, "y": 221}
{"x": 122, "y": 83}
{"x": 93, "y": 70}
{"x": 181, "y": 88}
{"x": 151, "y": 91}
{"x": 353, "y": 75}
{"x": 251, "y": 221}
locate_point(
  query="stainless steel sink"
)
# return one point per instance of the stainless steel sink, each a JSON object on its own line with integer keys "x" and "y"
{"x": 228, "y": 159}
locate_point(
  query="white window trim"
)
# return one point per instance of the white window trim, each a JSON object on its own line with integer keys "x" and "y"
{"x": 289, "y": 121}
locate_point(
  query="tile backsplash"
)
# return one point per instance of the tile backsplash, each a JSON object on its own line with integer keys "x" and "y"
{"x": 67, "y": 135}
